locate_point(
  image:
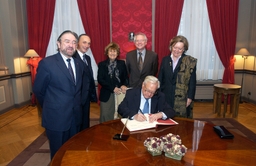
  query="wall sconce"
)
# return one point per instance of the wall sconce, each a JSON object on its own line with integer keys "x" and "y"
{"x": 31, "y": 53}
{"x": 131, "y": 36}
{"x": 244, "y": 53}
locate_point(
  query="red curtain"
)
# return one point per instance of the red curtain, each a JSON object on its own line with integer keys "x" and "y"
{"x": 167, "y": 21}
{"x": 223, "y": 17}
{"x": 96, "y": 22}
{"x": 40, "y": 19}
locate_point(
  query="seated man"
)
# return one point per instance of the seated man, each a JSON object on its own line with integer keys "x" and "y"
{"x": 146, "y": 100}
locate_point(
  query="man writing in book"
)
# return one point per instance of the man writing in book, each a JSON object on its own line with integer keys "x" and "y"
{"x": 145, "y": 100}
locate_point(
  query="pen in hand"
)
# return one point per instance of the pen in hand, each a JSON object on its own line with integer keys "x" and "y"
{"x": 142, "y": 113}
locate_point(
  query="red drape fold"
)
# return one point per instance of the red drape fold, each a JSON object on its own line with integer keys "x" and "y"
{"x": 40, "y": 19}
{"x": 223, "y": 17}
{"x": 96, "y": 22}
{"x": 167, "y": 20}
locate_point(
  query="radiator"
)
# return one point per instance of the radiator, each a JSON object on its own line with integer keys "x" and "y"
{"x": 204, "y": 89}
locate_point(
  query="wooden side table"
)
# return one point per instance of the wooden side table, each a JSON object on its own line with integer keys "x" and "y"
{"x": 226, "y": 89}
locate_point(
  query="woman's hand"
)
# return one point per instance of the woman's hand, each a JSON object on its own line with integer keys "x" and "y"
{"x": 123, "y": 89}
{"x": 188, "y": 102}
{"x": 117, "y": 90}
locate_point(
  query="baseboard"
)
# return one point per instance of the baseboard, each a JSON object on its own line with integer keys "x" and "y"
{"x": 14, "y": 106}
{"x": 203, "y": 100}
{"x": 248, "y": 100}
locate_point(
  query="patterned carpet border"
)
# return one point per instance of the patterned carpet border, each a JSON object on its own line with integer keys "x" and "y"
{"x": 37, "y": 153}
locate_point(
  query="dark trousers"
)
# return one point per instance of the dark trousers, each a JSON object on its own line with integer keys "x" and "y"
{"x": 86, "y": 115}
{"x": 58, "y": 138}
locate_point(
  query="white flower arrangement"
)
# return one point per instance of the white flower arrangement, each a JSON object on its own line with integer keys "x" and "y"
{"x": 171, "y": 144}
{"x": 175, "y": 149}
{"x": 153, "y": 144}
{"x": 171, "y": 138}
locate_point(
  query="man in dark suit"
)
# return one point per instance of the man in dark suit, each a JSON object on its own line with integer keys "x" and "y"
{"x": 145, "y": 100}
{"x": 84, "y": 43}
{"x": 141, "y": 62}
{"x": 57, "y": 86}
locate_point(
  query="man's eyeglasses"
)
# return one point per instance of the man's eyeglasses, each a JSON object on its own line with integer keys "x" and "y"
{"x": 139, "y": 41}
{"x": 150, "y": 92}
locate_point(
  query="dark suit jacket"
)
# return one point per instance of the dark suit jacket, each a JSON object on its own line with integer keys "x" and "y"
{"x": 150, "y": 67}
{"x": 131, "y": 103}
{"x": 168, "y": 77}
{"x": 107, "y": 83}
{"x": 58, "y": 95}
{"x": 90, "y": 95}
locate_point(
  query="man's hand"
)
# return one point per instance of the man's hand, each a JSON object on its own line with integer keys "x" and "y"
{"x": 154, "y": 117}
{"x": 140, "y": 117}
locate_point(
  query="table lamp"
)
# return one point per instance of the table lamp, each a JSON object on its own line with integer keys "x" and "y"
{"x": 31, "y": 53}
{"x": 244, "y": 53}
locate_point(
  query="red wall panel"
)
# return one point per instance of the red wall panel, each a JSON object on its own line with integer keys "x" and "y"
{"x": 131, "y": 16}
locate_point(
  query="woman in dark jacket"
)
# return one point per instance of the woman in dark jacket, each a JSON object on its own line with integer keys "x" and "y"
{"x": 177, "y": 76}
{"x": 113, "y": 78}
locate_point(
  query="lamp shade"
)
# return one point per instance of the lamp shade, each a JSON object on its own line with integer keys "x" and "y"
{"x": 243, "y": 52}
{"x": 31, "y": 53}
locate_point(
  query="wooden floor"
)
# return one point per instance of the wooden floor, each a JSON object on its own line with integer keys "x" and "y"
{"x": 19, "y": 127}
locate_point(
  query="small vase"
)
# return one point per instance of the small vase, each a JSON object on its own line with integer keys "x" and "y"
{"x": 155, "y": 153}
{"x": 175, "y": 157}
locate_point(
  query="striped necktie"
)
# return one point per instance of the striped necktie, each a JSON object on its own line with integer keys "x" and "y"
{"x": 140, "y": 63}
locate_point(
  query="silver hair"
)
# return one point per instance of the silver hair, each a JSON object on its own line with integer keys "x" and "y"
{"x": 142, "y": 34}
{"x": 152, "y": 79}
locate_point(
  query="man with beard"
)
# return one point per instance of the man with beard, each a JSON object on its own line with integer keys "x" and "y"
{"x": 58, "y": 86}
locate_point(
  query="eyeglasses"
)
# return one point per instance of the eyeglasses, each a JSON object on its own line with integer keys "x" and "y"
{"x": 148, "y": 91}
{"x": 139, "y": 41}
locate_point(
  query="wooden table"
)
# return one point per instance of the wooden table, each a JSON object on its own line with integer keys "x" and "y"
{"x": 225, "y": 90}
{"x": 95, "y": 146}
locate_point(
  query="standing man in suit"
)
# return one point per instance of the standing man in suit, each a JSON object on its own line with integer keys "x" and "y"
{"x": 145, "y": 100}
{"x": 140, "y": 62}
{"x": 84, "y": 43}
{"x": 58, "y": 86}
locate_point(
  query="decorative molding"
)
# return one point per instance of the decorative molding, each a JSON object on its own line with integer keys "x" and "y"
{"x": 241, "y": 71}
{"x": 11, "y": 76}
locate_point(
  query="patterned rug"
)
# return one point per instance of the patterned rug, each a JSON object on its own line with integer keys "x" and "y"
{"x": 38, "y": 154}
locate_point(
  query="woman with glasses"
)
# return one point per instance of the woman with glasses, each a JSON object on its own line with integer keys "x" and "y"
{"x": 178, "y": 77}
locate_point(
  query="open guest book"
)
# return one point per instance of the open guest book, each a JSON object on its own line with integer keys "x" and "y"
{"x": 134, "y": 125}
